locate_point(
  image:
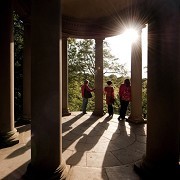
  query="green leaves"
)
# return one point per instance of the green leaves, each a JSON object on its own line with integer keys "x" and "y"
{"x": 81, "y": 66}
{"x": 18, "y": 65}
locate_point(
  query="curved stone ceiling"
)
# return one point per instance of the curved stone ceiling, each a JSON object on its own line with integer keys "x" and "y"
{"x": 98, "y": 18}
{"x": 92, "y": 9}
{"x": 91, "y": 18}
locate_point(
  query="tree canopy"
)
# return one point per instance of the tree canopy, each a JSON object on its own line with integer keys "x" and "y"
{"x": 81, "y": 66}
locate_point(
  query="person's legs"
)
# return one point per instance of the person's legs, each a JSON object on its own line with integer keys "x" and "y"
{"x": 110, "y": 109}
{"x": 123, "y": 109}
{"x": 84, "y": 105}
{"x": 126, "y": 103}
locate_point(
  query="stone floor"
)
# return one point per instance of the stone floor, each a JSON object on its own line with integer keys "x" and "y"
{"x": 95, "y": 148}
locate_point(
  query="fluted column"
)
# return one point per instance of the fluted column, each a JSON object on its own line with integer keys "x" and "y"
{"x": 27, "y": 73}
{"x": 161, "y": 160}
{"x": 136, "y": 82}
{"x": 65, "y": 109}
{"x": 46, "y": 92}
{"x": 8, "y": 134}
{"x": 98, "y": 77}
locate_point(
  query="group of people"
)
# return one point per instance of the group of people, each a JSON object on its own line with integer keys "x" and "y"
{"x": 124, "y": 96}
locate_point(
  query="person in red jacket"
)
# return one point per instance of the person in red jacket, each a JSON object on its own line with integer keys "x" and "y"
{"x": 109, "y": 93}
{"x": 85, "y": 89}
{"x": 125, "y": 98}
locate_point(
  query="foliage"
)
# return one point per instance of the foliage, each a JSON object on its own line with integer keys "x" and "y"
{"x": 18, "y": 66}
{"x": 81, "y": 57}
{"x": 81, "y": 61}
{"x": 144, "y": 97}
{"x": 81, "y": 66}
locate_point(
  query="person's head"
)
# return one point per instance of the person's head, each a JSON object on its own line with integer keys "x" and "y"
{"x": 109, "y": 83}
{"x": 127, "y": 82}
{"x": 86, "y": 81}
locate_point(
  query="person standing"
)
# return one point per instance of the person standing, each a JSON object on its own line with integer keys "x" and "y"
{"x": 125, "y": 98}
{"x": 85, "y": 91}
{"x": 109, "y": 93}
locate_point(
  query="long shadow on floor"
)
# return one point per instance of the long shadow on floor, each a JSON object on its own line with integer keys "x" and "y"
{"x": 127, "y": 145}
{"x": 18, "y": 173}
{"x": 66, "y": 124}
{"x": 88, "y": 141}
{"x": 77, "y": 130}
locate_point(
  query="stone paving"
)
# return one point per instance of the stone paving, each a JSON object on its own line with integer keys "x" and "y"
{"x": 102, "y": 148}
{"x": 95, "y": 148}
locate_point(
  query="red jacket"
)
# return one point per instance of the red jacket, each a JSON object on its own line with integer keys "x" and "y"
{"x": 85, "y": 86}
{"x": 125, "y": 92}
{"x": 109, "y": 92}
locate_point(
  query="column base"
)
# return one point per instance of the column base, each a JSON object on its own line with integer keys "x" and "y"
{"x": 60, "y": 173}
{"x": 8, "y": 139}
{"x": 65, "y": 112}
{"x": 98, "y": 113}
{"x": 136, "y": 120}
{"x": 150, "y": 173}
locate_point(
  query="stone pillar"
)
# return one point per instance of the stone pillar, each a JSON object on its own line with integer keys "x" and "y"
{"x": 8, "y": 134}
{"x": 136, "y": 82}
{"x": 27, "y": 73}
{"x": 46, "y": 92}
{"x": 65, "y": 109}
{"x": 178, "y": 80}
{"x": 98, "y": 111}
{"x": 163, "y": 116}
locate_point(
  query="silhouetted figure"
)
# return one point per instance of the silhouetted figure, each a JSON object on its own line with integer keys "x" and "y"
{"x": 125, "y": 98}
{"x": 86, "y": 94}
{"x": 109, "y": 93}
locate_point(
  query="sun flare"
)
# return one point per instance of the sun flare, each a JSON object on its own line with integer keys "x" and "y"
{"x": 121, "y": 47}
{"x": 131, "y": 35}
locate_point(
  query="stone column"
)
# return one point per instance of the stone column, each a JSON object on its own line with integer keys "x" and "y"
{"x": 136, "y": 82}
{"x": 178, "y": 80}
{"x": 163, "y": 116}
{"x": 98, "y": 111}
{"x": 8, "y": 134}
{"x": 46, "y": 92}
{"x": 65, "y": 109}
{"x": 27, "y": 73}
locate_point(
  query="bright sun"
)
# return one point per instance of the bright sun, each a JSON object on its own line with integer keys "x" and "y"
{"x": 130, "y": 35}
{"x": 121, "y": 46}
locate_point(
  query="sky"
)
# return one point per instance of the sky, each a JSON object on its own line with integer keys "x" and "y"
{"x": 121, "y": 48}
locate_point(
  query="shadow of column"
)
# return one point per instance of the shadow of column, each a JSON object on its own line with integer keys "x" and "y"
{"x": 87, "y": 142}
{"x": 128, "y": 144}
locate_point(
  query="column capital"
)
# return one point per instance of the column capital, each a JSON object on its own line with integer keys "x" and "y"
{"x": 99, "y": 39}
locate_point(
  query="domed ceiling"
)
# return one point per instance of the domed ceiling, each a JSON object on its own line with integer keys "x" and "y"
{"x": 91, "y": 18}
{"x": 92, "y": 9}
{"x": 99, "y": 18}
